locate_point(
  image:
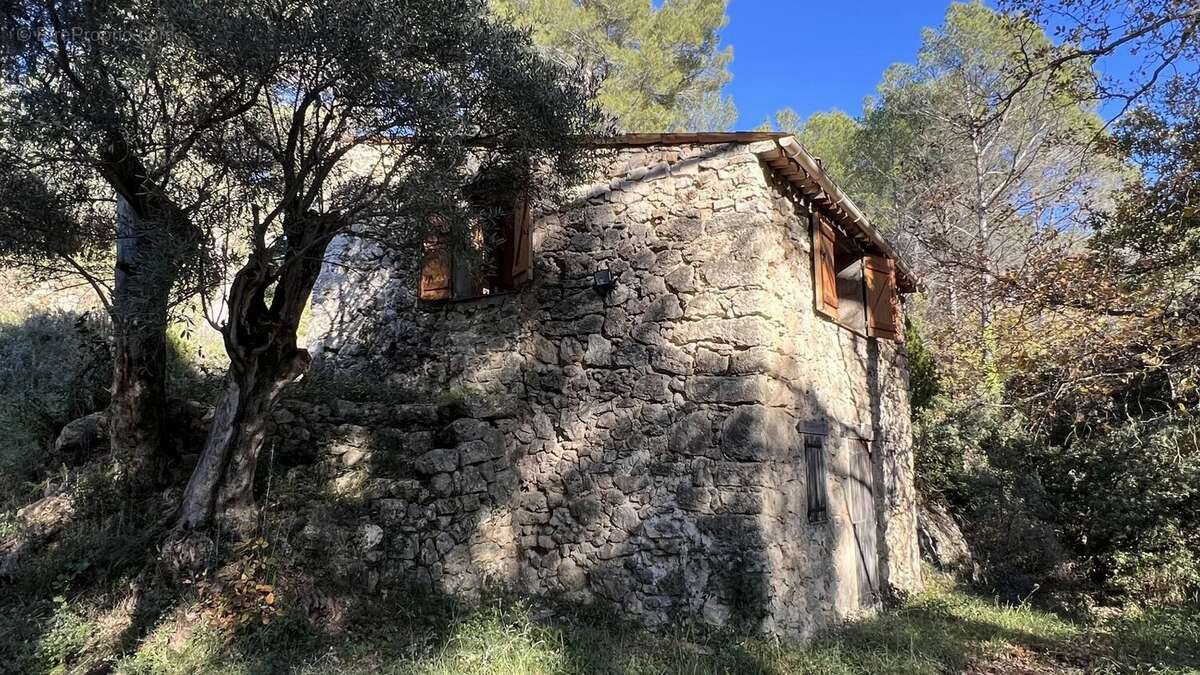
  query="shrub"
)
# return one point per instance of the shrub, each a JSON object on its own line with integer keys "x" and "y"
{"x": 1116, "y": 509}
{"x": 53, "y": 368}
{"x": 1130, "y": 497}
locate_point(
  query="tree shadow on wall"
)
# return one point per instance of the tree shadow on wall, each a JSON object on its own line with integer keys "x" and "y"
{"x": 616, "y": 488}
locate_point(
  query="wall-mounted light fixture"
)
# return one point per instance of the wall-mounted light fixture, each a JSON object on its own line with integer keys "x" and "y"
{"x": 603, "y": 280}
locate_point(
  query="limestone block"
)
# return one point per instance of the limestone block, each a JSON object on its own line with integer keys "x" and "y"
{"x": 758, "y": 433}
{"x": 598, "y": 352}
{"x": 710, "y": 362}
{"x": 716, "y": 389}
{"x": 681, "y": 279}
{"x": 750, "y": 331}
{"x": 754, "y": 360}
{"x": 440, "y": 460}
{"x": 692, "y": 435}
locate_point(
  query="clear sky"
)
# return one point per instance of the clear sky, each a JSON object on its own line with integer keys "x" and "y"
{"x": 816, "y": 55}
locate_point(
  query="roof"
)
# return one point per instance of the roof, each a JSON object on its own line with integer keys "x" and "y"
{"x": 703, "y": 138}
{"x": 784, "y": 154}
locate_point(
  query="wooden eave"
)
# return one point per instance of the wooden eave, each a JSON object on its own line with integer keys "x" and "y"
{"x": 789, "y": 159}
{"x": 701, "y": 138}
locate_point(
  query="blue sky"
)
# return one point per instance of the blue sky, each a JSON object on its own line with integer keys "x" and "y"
{"x": 816, "y": 55}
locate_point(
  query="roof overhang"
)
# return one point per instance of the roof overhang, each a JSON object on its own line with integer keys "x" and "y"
{"x": 683, "y": 138}
{"x": 784, "y": 154}
{"x": 789, "y": 159}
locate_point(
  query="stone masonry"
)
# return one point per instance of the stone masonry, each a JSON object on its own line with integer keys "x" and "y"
{"x": 644, "y": 447}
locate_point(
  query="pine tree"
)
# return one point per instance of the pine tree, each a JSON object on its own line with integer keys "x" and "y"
{"x": 830, "y": 136}
{"x": 661, "y": 66}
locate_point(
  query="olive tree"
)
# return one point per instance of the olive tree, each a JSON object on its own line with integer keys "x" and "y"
{"x": 233, "y": 142}
{"x": 373, "y": 115}
{"x": 103, "y": 107}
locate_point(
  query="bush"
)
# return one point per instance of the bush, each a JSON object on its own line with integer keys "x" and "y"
{"x": 1095, "y": 488}
{"x": 1115, "y": 510}
{"x": 1168, "y": 574}
{"x": 53, "y": 368}
{"x": 973, "y": 458}
{"x": 1130, "y": 499}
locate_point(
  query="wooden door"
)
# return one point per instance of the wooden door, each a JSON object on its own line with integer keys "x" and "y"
{"x": 860, "y": 503}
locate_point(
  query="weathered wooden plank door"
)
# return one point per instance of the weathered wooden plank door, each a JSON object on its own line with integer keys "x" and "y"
{"x": 860, "y": 497}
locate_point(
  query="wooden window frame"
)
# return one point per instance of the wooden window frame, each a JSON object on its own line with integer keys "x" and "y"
{"x": 513, "y": 260}
{"x": 879, "y": 290}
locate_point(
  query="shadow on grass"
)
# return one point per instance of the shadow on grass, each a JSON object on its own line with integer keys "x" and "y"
{"x": 86, "y": 593}
{"x": 424, "y": 633}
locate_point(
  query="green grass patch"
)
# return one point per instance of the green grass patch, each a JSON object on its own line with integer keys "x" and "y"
{"x": 87, "y": 618}
{"x": 942, "y": 630}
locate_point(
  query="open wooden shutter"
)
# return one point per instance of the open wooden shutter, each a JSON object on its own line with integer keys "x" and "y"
{"x": 883, "y": 305}
{"x": 435, "y": 270}
{"x": 521, "y": 237}
{"x": 824, "y": 272}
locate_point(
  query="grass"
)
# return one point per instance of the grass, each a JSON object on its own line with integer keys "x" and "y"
{"x": 53, "y": 368}
{"x": 942, "y": 630}
{"x": 93, "y": 600}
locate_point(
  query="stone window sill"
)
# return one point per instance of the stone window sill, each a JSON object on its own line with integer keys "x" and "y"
{"x": 475, "y": 300}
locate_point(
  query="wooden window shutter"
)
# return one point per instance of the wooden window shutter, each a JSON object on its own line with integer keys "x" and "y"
{"x": 435, "y": 270}
{"x": 814, "y": 478}
{"x": 522, "y": 241}
{"x": 883, "y": 304}
{"x": 824, "y": 272}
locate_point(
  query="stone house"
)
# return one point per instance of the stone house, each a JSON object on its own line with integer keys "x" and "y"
{"x": 683, "y": 393}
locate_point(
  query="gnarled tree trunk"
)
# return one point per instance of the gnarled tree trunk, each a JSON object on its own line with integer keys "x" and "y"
{"x": 261, "y": 342}
{"x": 221, "y": 488}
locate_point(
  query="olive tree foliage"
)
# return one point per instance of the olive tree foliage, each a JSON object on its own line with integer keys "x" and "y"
{"x": 102, "y": 111}
{"x": 373, "y": 116}
{"x": 658, "y": 65}
{"x": 55, "y": 236}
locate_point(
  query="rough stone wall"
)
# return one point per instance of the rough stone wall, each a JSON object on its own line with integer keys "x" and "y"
{"x": 643, "y": 447}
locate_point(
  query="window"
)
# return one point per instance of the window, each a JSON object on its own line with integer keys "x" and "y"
{"x": 814, "y": 479}
{"x": 500, "y": 262}
{"x": 854, "y": 287}
{"x": 852, "y": 301}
